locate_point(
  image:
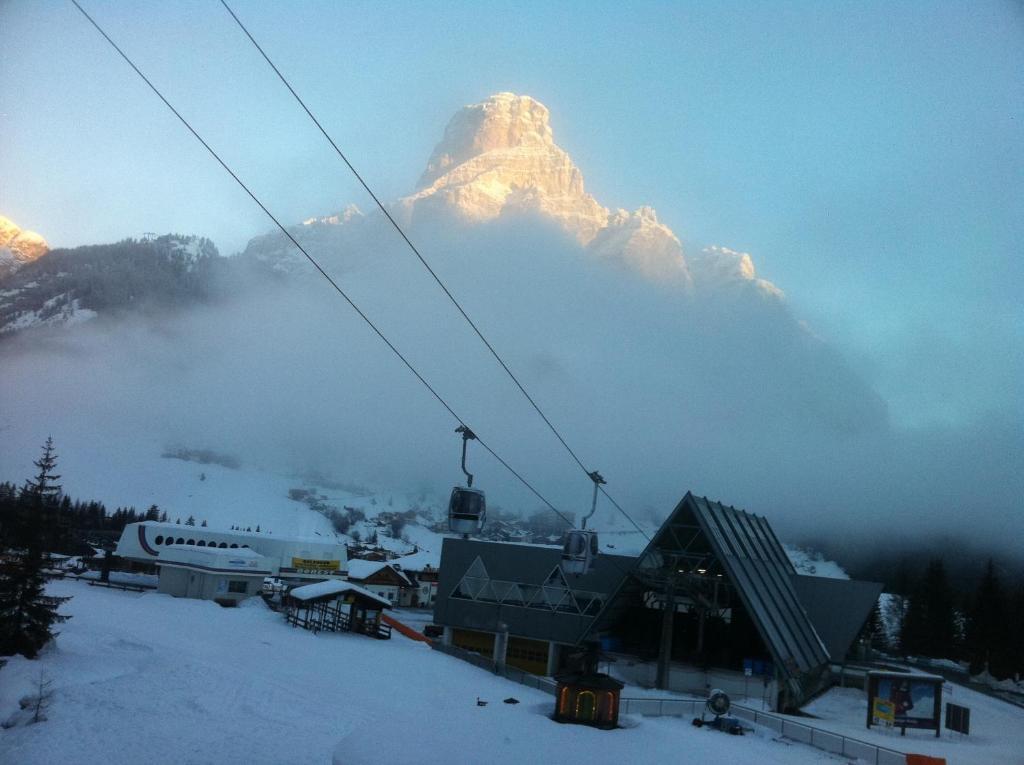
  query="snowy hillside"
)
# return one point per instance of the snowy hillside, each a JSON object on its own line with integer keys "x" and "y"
{"x": 811, "y": 563}
{"x": 72, "y": 286}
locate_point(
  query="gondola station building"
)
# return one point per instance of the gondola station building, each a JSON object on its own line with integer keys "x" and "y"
{"x": 712, "y": 601}
{"x": 228, "y": 566}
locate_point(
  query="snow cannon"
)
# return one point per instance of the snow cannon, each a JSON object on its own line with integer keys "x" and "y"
{"x": 718, "y": 705}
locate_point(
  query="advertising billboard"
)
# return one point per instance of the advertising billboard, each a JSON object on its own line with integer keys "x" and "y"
{"x": 916, "y": 700}
{"x": 312, "y": 566}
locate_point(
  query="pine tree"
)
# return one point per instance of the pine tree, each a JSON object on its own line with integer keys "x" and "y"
{"x": 190, "y": 521}
{"x": 27, "y": 614}
{"x": 929, "y": 627}
{"x": 203, "y": 524}
{"x": 988, "y": 627}
{"x": 153, "y": 514}
{"x": 257, "y": 528}
{"x": 163, "y": 517}
{"x": 874, "y": 630}
{"x": 1015, "y": 629}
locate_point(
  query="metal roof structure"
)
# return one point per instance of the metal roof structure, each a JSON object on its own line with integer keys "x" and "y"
{"x": 483, "y": 584}
{"x": 702, "y": 541}
{"x": 717, "y": 557}
{"x": 838, "y": 608}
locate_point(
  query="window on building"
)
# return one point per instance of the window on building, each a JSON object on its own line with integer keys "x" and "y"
{"x": 202, "y": 543}
{"x": 159, "y": 539}
{"x": 234, "y": 545}
{"x": 180, "y": 541}
{"x": 238, "y": 586}
{"x": 223, "y": 544}
{"x": 169, "y": 541}
{"x": 191, "y": 542}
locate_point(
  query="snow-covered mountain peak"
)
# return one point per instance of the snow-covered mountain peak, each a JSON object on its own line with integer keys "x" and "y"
{"x": 498, "y": 159}
{"x": 503, "y": 121}
{"x": 722, "y": 266}
{"x": 350, "y": 213}
{"x": 500, "y": 156}
{"x": 18, "y": 246}
{"x": 645, "y": 245}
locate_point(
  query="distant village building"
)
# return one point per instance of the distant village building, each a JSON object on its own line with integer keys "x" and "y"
{"x": 381, "y": 578}
{"x": 423, "y": 568}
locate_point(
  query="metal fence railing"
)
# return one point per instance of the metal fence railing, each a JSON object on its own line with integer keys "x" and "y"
{"x": 819, "y": 738}
{"x": 661, "y": 707}
{"x": 689, "y": 708}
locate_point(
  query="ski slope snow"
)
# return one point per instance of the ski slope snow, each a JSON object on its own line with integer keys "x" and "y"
{"x": 153, "y": 679}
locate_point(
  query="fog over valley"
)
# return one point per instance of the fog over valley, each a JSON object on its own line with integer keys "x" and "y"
{"x": 667, "y": 368}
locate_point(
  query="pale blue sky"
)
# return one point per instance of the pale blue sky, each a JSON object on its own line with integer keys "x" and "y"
{"x": 868, "y": 155}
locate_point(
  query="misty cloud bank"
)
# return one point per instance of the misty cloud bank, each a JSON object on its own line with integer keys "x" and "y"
{"x": 721, "y": 392}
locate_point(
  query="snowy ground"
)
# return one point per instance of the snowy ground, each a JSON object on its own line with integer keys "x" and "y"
{"x": 149, "y": 678}
{"x": 996, "y": 738}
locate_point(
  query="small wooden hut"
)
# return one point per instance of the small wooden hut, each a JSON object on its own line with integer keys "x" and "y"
{"x": 337, "y": 606}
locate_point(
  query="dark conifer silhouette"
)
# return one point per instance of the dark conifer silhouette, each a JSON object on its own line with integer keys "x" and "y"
{"x": 27, "y": 613}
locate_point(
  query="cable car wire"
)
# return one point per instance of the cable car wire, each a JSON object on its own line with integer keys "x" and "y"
{"x": 426, "y": 265}
{"x": 624, "y": 571}
{"x": 318, "y": 267}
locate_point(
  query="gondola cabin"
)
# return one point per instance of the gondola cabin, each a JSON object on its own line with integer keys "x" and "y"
{"x": 579, "y": 551}
{"x": 467, "y": 510}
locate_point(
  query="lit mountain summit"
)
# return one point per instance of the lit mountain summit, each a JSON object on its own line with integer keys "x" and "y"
{"x": 498, "y": 159}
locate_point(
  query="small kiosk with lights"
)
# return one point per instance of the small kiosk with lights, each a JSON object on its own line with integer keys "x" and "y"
{"x": 588, "y": 697}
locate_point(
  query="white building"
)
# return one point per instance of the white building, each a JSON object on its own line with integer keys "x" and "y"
{"x": 423, "y": 569}
{"x": 224, "y": 575}
{"x": 381, "y": 578}
{"x": 291, "y": 558}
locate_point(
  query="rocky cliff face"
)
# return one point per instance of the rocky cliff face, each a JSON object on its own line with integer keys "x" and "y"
{"x": 18, "y": 246}
{"x": 499, "y": 157}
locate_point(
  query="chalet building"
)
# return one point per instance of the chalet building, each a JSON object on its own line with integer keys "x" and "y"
{"x": 741, "y": 616}
{"x": 423, "y": 568}
{"x": 381, "y": 578}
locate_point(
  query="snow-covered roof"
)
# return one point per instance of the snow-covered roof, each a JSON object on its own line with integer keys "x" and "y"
{"x": 419, "y": 561}
{"x": 335, "y": 587}
{"x": 362, "y": 569}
